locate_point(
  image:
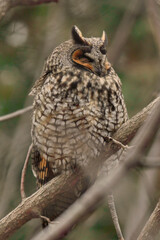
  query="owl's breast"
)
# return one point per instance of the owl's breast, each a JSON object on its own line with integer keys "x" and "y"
{"x": 72, "y": 118}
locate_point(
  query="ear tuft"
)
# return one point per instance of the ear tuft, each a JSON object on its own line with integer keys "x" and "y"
{"x": 104, "y": 38}
{"x": 77, "y": 36}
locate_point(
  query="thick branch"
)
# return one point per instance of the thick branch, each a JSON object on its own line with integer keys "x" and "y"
{"x": 33, "y": 205}
{"x": 5, "y": 5}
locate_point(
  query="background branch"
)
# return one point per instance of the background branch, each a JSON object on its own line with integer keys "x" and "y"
{"x": 33, "y": 205}
{"x": 124, "y": 29}
{"x": 15, "y": 114}
{"x": 152, "y": 227}
{"x": 6, "y": 5}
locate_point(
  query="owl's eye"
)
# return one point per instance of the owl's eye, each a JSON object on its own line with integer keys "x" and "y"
{"x": 103, "y": 50}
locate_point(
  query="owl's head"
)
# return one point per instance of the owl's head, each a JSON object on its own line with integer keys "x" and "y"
{"x": 89, "y": 53}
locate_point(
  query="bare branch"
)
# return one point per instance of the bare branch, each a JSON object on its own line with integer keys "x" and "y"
{"x": 32, "y": 206}
{"x": 23, "y": 195}
{"x": 152, "y": 227}
{"x": 15, "y": 114}
{"x": 118, "y": 143}
{"x": 114, "y": 216}
{"x": 5, "y": 5}
{"x": 149, "y": 165}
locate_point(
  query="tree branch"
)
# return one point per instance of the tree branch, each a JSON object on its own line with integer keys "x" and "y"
{"x": 152, "y": 227}
{"x": 23, "y": 195}
{"x": 15, "y": 114}
{"x": 112, "y": 208}
{"x": 32, "y": 206}
{"x": 6, "y": 5}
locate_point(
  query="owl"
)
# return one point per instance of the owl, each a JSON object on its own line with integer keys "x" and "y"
{"x": 78, "y": 104}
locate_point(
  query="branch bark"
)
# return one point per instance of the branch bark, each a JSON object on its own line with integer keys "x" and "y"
{"x": 6, "y": 5}
{"x": 32, "y": 206}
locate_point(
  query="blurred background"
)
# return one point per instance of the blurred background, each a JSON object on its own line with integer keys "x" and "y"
{"x": 27, "y": 36}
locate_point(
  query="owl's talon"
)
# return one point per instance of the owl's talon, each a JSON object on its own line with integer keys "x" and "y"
{"x": 48, "y": 220}
{"x": 118, "y": 143}
{"x": 45, "y": 218}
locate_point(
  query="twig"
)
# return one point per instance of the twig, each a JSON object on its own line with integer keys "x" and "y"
{"x": 97, "y": 192}
{"x": 118, "y": 143}
{"x": 23, "y": 195}
{"x": 15, "y": 114}
{"x": 34, "y": 205}
{"x": 114, "y": 216}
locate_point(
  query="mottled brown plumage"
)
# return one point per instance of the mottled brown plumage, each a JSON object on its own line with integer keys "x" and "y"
{"x": 78, "y": 103}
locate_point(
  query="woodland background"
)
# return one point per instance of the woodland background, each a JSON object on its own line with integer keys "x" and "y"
{"x": 27, "y": 36}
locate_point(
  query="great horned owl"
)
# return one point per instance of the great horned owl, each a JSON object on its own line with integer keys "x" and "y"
{"x": 78, "y": 104}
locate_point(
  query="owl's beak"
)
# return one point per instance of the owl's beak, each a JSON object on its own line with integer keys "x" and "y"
{"x": 102, "y": 71}
{"x": 107, "y": 65}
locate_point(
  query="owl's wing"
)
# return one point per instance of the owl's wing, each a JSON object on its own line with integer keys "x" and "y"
{"x": 40, "y": 168}
{"x": 40, "y": 81}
